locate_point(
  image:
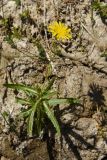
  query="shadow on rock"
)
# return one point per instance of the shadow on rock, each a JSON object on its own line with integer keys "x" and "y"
{"x": 68, "y": 132}
{"x": 96, "y": 96}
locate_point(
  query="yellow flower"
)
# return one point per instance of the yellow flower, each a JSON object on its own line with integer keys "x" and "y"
{"x": 60, "y": 31}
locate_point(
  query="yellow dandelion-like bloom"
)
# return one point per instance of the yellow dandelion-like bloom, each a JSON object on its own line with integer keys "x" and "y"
{"x": 60, "y": 31}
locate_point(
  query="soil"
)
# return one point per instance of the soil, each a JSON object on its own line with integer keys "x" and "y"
{"x": 80, "y": 70}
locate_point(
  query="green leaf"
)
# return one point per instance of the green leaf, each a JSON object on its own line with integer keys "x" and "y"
{"x": 39, "y": 117}
{"x": 54, "y": 102}
{"x": 30, "y": 123}
{"x": 50, "y": 84}
{"x": 100, "y": 7}
{"x": 18, "y": 2}
{"x": 25, "y": 14}
{"x": 16, "y": 33}
{"x": 48, "y": 70}
{"x": 5, "y": 114}
{"x": 25, "y": 114}
{"x": 31, "y": 118}
{"x": 52, "y": 117}
{"x": 104, "y": 54}
{"x": 21, "y": 87}
{"x": 9, "y": 39}
{"x": 38, "y": 89}
{"x": 49, "y": 94}
{"x": 23, "y": 101}
{"x": 96, "y": 5}
{"x": 42, "y": 53}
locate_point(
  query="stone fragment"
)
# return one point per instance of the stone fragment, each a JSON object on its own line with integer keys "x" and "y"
{"x": 89, "y": 126}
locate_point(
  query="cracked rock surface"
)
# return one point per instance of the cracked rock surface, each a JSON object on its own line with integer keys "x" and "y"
{"x": 81, "y": 73}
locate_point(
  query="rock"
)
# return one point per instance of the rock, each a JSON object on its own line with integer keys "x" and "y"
{"x": 101, "y": 145}
{"x": 8, "y": 152}
{"x": 99, "y": 117}
{"x": 89, "y": 126}
{"x": 3, "y": 158}
{"x": 21, "y": 43}
{"x": 83, "y": 78}
{"x": 91, "y": 141}
{"x": 102, "y": 157}
{"x": 69, "y": 118}
{"x": 10, "y": 8}
{"x": 21, "y": 147}
{"x": 89, "y": 154}
{"x": 37, "y": 150}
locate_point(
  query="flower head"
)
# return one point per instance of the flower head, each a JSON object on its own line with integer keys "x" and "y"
{"x": 60, "y": 31}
